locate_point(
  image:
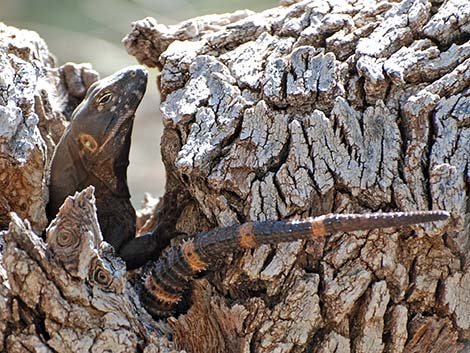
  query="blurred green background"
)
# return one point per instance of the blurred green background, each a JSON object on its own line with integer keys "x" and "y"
{"x": 91, "y": 31}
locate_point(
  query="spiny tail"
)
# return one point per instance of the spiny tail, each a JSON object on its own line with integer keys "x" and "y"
{"x": 170, "y": 275}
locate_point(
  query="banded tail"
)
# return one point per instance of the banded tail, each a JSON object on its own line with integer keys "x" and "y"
{"x": 170, "y": 275}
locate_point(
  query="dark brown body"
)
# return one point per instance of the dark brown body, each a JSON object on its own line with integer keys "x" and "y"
{"x": 94, "y": 150}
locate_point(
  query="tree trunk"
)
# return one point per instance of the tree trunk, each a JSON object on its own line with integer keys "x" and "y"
{"x": 305, "y": 109}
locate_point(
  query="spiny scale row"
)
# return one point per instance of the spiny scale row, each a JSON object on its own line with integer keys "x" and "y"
{"x": 170, "y": 276}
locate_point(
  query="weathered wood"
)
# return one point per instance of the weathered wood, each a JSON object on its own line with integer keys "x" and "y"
{"x": 22, "y": 157}
{"x": 317, "y": 107}
{"x": 71, "y": 294}
{"x": 35, "y": 100}
{"x": 308, "y": 108}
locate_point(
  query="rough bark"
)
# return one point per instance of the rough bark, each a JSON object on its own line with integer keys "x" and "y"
{"x": 68, "y": 294}
{"x": 317, "y": 107}
{"x": 308, "y": 108}
{"x": 36, "y": 99}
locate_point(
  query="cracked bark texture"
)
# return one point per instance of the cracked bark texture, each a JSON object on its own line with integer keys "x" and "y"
{"x": 69, "y": 294}
{"x": 36, "y": 100}
{"x": 308, "y": 108}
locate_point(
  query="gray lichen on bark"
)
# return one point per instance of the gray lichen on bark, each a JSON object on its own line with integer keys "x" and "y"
{"x": 318, "y": 107}
{"x": 71, "y": 294}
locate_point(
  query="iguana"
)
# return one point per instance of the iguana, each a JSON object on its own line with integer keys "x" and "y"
{"x": 94, "y": 150}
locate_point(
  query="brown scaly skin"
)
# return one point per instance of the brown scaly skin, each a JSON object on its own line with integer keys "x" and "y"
{"x": 94, "y": 150}
{"x": 170, "y": 275}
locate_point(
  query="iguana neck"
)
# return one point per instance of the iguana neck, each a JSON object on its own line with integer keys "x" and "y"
{"x": 110, "y": 164}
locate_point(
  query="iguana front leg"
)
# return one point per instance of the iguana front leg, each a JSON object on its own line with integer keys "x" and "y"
{"x": 94, "y": 150}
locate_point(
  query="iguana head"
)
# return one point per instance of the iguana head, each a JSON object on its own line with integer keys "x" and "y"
{"x": 108, "y": 104}
{"x": 102, "y": 124}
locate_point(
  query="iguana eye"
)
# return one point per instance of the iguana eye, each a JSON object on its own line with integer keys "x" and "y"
{"x": 105, "y": 98}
